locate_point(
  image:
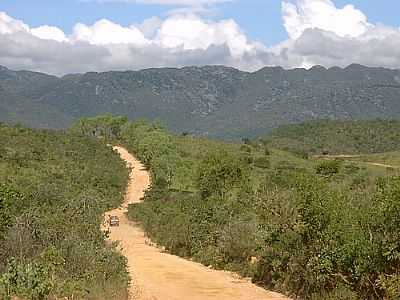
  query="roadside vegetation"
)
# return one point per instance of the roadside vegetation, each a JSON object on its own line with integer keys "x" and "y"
{"x": 54, "y": 189}
{"x": 315, "y": 229}
{"x": 311, "y": 228}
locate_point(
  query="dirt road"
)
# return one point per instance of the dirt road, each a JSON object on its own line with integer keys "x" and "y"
{"x": 160, "y": 276}
{"x": 349, "y": 157}
{"x": 382, "y": 165}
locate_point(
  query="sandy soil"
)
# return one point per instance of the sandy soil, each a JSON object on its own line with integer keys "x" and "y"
{"x": 340, "y": 156}
{"x": 161, "y": 276}
{"x": 382, "y": 165}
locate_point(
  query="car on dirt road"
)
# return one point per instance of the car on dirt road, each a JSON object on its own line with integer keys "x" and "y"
{"x": 113, "y": 221}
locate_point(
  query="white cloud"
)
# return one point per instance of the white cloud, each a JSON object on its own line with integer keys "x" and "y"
{"x": 9, "y": 25}
{"x": 49, "y": 33}
{"x": 322, "y": 14}
{"x": 319, "y": 33}
{"x": 150, "y": 26}
{"x": 191, "y": 33}
{"x": 105, "y": 32}
{"x": 176, "y": 41}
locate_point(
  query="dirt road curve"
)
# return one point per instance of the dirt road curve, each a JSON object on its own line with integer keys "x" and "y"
{"x": 160, "y": 276}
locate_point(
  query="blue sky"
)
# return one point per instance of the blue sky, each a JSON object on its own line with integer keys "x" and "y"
{"x": 65, "y": 36}
{"x": 260, "y": 19}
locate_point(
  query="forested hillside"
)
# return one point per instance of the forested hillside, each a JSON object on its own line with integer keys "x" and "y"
{"x": 338, "y": 137}
{"x": 213, "y": 101}
{"x": 54, "y": 188}
{"x": 314, "y": 229}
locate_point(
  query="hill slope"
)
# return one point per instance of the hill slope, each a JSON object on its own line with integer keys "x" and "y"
{"x": 310, "y": 228}
{"x": 338, "y": 137}
{"x": 54, "y": 189}
{"x": 213, "y": 100}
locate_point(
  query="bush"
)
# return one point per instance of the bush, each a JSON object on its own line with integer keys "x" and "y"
{"x": 219, "y": 173}
{"x": 328, "y": 168}
{"x": 340, "y": 137}
{"x": 52, "y": 200}
{"x": 31, "y": 281}
{"x": 246, "y": 148}
{"x": 301, "y": 154}
{"x": 262, "y": 162}
{"x": 247, "y": 159}
{"x": 306, "y": 236}
{"x": 237, "y": 241}
{"x": 390, "y": 284}
{"x": 351, "y": 169}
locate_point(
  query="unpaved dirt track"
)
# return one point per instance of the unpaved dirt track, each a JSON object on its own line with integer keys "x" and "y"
{"x": 160, "y": 276}
{"x": 348, "y": 158}
{"x": 381, "y": 165}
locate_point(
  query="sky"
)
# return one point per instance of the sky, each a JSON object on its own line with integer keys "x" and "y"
{"x": 70, "y": 36}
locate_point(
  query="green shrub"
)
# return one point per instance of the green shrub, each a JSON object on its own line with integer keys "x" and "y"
{"x": 286, "y": 227}
{"x": 55, "y": 187}
{"x": 328, "y": 168}
{"x": 30, "y": 281}
{"x": 247, "y": 159}
{"x": 390, "y": 284}
{"x": 237, "y": 241}
{"x": 219, "y": 173}
{"x": 246, "y": 148}
{"x": 351, "y": 169}
{"x": 338, "y": 137}
{"x": 300, "y": 153}
{"x": 262, "y": 162}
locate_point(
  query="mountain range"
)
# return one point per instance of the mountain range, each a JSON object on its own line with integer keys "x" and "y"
{"x": 213, "y": 101}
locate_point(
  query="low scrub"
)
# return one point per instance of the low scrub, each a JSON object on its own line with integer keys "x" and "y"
{"x": 54, "y": 190}
{"x": 311, "y": 230}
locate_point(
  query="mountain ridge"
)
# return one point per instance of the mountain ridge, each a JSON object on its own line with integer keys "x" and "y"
{"x": 314, "y": 67}
{"x": 215, "y": 101}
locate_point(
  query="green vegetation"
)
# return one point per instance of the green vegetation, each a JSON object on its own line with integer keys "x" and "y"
{"x": 328, "y": 168}
{"x": 338, "y": 137}
{"x": 218, "y": 174}
{"x": 315, "y": 229}
{"x": 212, "y": 101}
{"x": 54, "y": 188}
{"x": 106, "y": 127}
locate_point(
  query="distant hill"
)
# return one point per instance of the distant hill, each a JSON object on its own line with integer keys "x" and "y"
{"x": 214, "y": 101}
{"x": 338, "y": 137}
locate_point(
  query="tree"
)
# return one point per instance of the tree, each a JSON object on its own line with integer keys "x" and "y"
{"x": 105, "y": 126}
{"x": 218, "y": 173}
{"x": 246, "y": 141}
{"x": 164, "y": 167}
